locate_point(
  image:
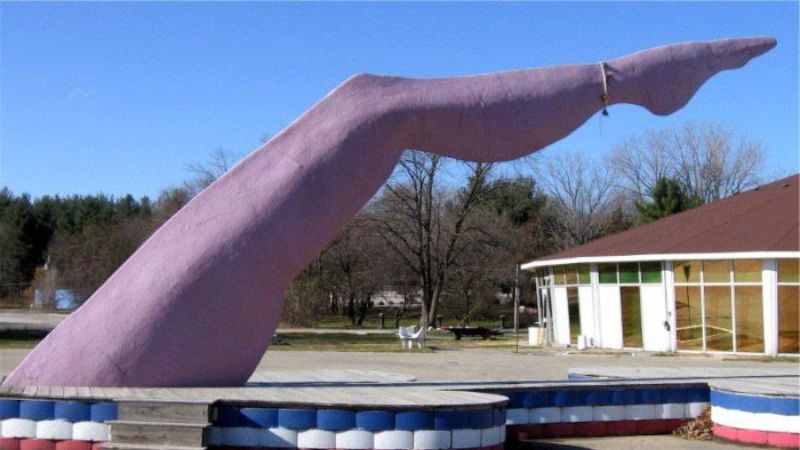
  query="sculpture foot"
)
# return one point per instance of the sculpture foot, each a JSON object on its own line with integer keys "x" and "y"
{"x": 664, "y": 79}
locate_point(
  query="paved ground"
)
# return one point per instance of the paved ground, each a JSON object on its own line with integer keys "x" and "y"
{"x": 663, "y": 442}
{"x": 470, "y": 364}
{"x": 494, "y": 365}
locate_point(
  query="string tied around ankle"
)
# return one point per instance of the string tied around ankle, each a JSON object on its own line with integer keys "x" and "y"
{"x": 604, "y": 96}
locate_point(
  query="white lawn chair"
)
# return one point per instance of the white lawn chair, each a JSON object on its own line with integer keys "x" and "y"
{"x": 407, "y": 337}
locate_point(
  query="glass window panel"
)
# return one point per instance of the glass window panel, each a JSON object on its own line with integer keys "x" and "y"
{"x": 788, "y": 270}
{"x": 719, "y": 320}
{"x": 544, "y": 274}
{"x": 749, "y": 320}
{"x": 747, "y": 270}
{"x": 558, "y": 273}
{"x": 572, "y": 275}
{"x": 583, "y": 274}
{"x": 716, "y": 271}
{"x": 631, "y": 316}
{"x": 574, "y": 314}
{"x": 688, "y": 318}
{"x": 788, "y": 319}
{"x": 687, "y": 271}
{"x": 651, "y": 272}
{"x": 608, "y": 273}
{"x": 629, "y": 273}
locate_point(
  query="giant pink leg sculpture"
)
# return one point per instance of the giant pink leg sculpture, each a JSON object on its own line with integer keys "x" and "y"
{"x": 198, "y": 302}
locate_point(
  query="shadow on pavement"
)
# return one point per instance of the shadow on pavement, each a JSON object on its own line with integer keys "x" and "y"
{"x": 542, "y": 445}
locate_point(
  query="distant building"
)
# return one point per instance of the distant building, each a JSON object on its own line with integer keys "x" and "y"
{"x": 723, "y": 277}
{"x": 390, "y": 297}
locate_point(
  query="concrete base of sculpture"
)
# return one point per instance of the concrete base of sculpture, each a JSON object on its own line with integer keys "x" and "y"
{"x": 197, "y": 304}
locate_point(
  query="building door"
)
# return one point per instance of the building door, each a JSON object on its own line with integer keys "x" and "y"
{"x": 573, "y": 306}
{"x": 631, "y": 306}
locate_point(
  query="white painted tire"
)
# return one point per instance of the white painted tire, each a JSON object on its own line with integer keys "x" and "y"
{"x": 576, "y": 414}
{"x": 277, "y": 437}
{"x": 56, "y": 430}
{"x": 316, "y": 439}
{"x": 355, "y": 439}
{"x": 490, "y": 436}
{"x": 394, "y": 440}
{"x": 545, "y": 415}
{"x": 466, "y": 438}
{"x": 694, "y": 409}
{"x": 517, "y": 416}
{"x": 608, "y": 413}
{"x": 90, "y": 431}
{"x": 671, "y": 411}
{"x": 19, "y": 428}
{"x": 432, "y": 439}
{"x": 640, "y": 412}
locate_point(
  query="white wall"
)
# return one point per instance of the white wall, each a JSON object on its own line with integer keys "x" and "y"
{"x": 769, "y": 298}
{"x": 668, "y": 279}
{"x": 654, "y": 312}
{"x": 585, "y": 302}
{"x": 560, "y": 316}
{"x": 610, "y": 316}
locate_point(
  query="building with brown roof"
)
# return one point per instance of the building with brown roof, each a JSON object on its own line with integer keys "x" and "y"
{"x": 723, "y": 277}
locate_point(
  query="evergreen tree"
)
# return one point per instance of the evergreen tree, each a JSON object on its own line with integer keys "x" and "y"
{"x": 668, "y": 197}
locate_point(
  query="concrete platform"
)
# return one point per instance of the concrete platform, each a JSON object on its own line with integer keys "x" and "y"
{"x": 350, "y": 409}
{"x": 781, "y": 382}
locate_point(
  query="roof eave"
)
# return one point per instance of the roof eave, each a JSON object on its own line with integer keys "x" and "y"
{"x": 659, "y": 257}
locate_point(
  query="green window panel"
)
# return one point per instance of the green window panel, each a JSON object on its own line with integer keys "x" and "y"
{"x": 651, "y": 272}
{"x": 583, "y": 274}
{"x": 608, "y": 273}
{"x": 629, "y": 273}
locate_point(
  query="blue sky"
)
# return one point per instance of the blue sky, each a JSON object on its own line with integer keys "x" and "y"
{"x": 121, "y": 97}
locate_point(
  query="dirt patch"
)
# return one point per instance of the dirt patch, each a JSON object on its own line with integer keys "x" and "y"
{"x": 698, "y": 429}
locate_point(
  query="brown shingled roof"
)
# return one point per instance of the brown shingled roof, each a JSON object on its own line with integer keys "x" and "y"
{"x": 764, "y": 219}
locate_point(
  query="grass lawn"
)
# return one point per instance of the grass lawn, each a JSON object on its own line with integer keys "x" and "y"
{"x": 411, "y": 318}
{"x": 347, "y": 342}
{"x": 18, "y": 342}
{"x": 344, "y": 342}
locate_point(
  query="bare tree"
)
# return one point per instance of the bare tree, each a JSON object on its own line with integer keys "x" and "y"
{"x": 423, "y": 224}
{"x": 582, "y": 199}
{"x": 219, "y": 162}
{"x": 350, "y": 272}
{"x": 709, "y": 160}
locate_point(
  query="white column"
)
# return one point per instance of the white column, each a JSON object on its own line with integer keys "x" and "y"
{"x": 611, "y": 316}
{"x": 769, "y": 297}
{"x": 560, "y": 315}
{"x": 586, "y": 305}
{"x": 668, "y": 280}
{"x": 594, "y": 278}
